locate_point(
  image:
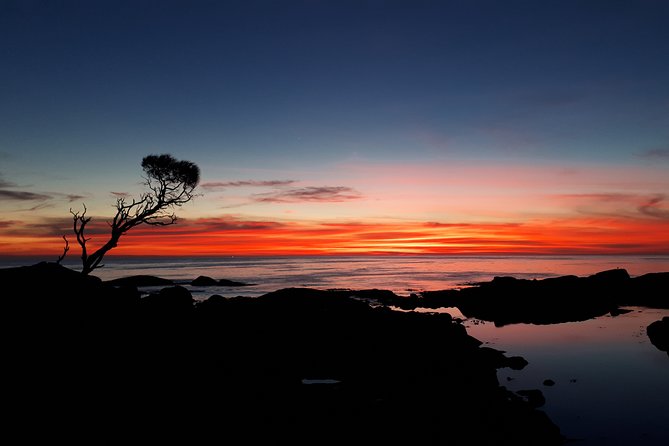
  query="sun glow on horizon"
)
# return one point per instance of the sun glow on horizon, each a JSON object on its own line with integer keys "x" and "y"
{"x": 215, "y": 237}
{"x": 419, "y": 131}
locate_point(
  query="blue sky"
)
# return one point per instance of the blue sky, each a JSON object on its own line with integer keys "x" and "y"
{"x": 302, "y": 90}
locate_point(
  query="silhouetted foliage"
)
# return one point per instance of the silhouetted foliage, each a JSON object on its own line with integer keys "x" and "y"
{"x": 171, "y": 183}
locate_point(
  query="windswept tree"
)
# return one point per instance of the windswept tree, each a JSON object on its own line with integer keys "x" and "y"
{"x": 171, "y": 183}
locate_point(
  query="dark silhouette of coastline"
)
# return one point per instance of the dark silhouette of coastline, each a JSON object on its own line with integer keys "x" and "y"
{"x": 507, "y": 300}
{"x": 90, "y": 362}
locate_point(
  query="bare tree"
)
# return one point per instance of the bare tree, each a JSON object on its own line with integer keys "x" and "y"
{"x": 171, "y": 183}
{"x": 65, "y": 250}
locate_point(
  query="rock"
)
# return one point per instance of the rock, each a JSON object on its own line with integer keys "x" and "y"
{"x": 47, "y": 276}
{"x": 549, "y": 382}
{"x": 507, "y": 300}
{"x": 49, "y": 291}
{"x": 658, "y": 333}
{"x": 534, "y": 398}
{"x": 618, "y": 311}
{"x": 157, "y": 358}
{"x": 208, "y": 281}
{"x": 226, "y": 282}
{"x": 175, "y": 300}
{"x": 611, "y": 276}
{"x": 650, "y": 290}
{"x": 139, "y": 281}
{"x": 204, "y": 281}
{"x": 498, "y": 358}
{"x": 516, "y": 362}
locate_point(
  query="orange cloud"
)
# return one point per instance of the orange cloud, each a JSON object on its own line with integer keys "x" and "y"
{"x": 236, "y": 236}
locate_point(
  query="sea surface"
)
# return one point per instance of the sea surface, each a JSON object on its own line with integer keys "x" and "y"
{"x": 401, "y": 274}
{"x": 611, "y": 384}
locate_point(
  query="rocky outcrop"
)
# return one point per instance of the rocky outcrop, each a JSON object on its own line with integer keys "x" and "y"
{"x": 208, "y": 281}
{"x": 176, "y": 299}
{"x": 204, "y": 281}
{"x": 507, "y": 300}
{"x": 166, "y": 368}
{"x": 650, "y": 290}
{"x": 533, "y": 397}
{"x": 658, "y": 333}
{"x": 139, "y": 280}
{"x": 394, "y": 371}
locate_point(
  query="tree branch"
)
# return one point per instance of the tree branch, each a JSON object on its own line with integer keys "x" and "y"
{"x": 79, "y": 223}
{"x": 65, "y": 250}
{"x": 170, "y": 183}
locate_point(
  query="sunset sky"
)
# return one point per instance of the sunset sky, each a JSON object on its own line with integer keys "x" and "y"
{"x": 341, "y": 127}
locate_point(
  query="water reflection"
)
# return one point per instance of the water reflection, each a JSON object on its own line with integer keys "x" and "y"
{"x": 611, "y": 385}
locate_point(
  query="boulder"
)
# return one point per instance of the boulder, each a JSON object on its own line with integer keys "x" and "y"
{"x": 139, "y": 280}
{"x": 658, "y": 333}
{"x": 204, "y": 281}
{"x": 47, "y": 276}
{"x": 500, "y": 360}
{"x": 175, "y": 297}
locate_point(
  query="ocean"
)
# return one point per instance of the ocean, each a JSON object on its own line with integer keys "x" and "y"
{"x": 401, "y": 274}
{"x": 611, "y": 385}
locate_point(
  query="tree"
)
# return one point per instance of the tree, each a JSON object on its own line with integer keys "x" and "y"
{"x": 171, "y": 183}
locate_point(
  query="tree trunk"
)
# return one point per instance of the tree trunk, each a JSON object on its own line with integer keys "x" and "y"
{"x": 93, "y": 261}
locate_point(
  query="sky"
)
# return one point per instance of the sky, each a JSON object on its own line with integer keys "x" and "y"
{"x": 341, "y": 127}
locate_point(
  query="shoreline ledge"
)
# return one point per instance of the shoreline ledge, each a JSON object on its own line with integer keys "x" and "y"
{"x": 90, "y": 361}
{"x": 507, "y": 300}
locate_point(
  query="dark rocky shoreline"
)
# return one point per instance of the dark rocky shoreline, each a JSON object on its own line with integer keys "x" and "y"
{"x": 95, "y": 362}
{"x": 90, "y": 362}
{"x": 507, "y": 300}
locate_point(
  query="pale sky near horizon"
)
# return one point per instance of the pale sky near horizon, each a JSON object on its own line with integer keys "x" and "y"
{"x": 342, "y": 126}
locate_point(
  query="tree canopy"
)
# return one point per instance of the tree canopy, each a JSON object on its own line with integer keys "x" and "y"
{"x": 170, "y": 182}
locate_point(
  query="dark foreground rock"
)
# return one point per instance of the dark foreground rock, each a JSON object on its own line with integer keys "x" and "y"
{"x": 658, "y": 333}
{"x": 89, "y": 362}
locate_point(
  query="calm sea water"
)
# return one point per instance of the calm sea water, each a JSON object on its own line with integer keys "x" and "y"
{"x": 612, "y": 384}
{"x": 400, "y": 274}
